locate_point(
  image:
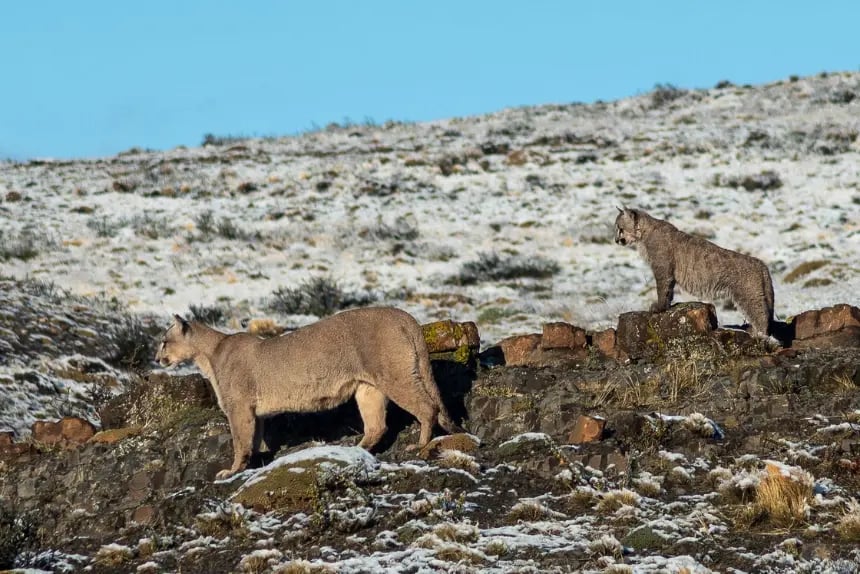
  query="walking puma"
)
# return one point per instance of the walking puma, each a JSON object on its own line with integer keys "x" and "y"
{"x": 373, "y": 354}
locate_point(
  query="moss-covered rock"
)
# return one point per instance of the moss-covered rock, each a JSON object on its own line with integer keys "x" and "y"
{"x": 295, "y": 482}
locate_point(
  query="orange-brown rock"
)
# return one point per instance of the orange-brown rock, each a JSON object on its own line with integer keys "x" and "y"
{"x": 76, "y": 430}
{"x": 445, "y": 336}
{"x": 6, "y": 438}
{"x": 604, "y": 342}
{"x": 460, "y": 441}
{"x": 47, "y": 432}
{"x": 832, "y": 326}
{"x": 67, "y": 431}
{"x": 519, "y": 350}
{"x": 562, "y": 336}
{"x": 587, "y": 429}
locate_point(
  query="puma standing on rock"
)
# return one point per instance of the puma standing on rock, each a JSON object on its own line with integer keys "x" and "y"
{"x": 373, "y": 354}
{"x": 698, "y": 266}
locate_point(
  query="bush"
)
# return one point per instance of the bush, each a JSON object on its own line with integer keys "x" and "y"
{"x": 105, "y": 227}
{"x": 25, "y": 244}
{"x": 212, "y": 139}
{"x": 319, "y": 296}
{"x": 151, "y": 227}
{"x": 18, "y": 534}
{"x": 665, "y": 94}
{"x": 134, "y": 342}
{"x": 44, "y": 289}
{"x": 763, "y": 181}
{"x": 211, "y": 315}
{"x": 402, "y": 230}
{"x": 208, "y": 225}
{"x": 205, "y": 222}
{"x": 493, "y": 267}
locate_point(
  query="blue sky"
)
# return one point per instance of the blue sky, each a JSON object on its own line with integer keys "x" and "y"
{"x": 92, "y": 78}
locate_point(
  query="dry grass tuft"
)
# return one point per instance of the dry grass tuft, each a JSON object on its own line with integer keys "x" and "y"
{"x": 265, "y": 328}
{"x": 582, "y": 499}
{"x": 781, "y": 497}
{"x": 113, "y": 555}
{"x": 784, "y": 494}
{"x": 457, "y": 532}
{"x": 606, "y": 545}
{"x": 615, "y": 499}
{"x": 260, "y": 560}
{"x": 302, "y": 567}
{"x": 804, "y": 269}
{"x": 225, "y": 519}
{"x": 496, "y": 548}
{"x": 648, "y": 486}
{"x": 848, "y": 526}
{"x": 683, "y": 379}
{"x": 530, "y": 511}
{"x": 458, "y": 459}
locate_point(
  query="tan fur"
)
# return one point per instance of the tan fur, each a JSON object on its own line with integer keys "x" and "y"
{"x": 698, "y": 266}
{"x": 373, "y": 354}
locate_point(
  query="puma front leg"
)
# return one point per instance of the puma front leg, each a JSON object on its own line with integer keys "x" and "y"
{"x": 665, "y": 280}
{"x": 242, "y": 420}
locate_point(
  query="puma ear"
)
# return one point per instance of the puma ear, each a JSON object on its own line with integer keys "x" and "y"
{"x": 619, "y": 209}
{"x": 183, "y": 324}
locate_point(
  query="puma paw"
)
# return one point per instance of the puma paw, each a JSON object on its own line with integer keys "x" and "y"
{"x": 226, "y": 473}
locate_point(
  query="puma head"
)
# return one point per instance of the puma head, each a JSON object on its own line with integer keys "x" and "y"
{"x": 627, "y": 231}
{"x": 175, "y": 345}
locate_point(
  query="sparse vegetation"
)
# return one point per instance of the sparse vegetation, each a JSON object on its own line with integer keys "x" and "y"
{"x": 105, "y": 226}
{"x": 763, "y": 181}
{"x": 615, "y": 499}
{"x": 208, "y": 227}
{"x": 494, "y": 267}
{"x": 18, "y": 534}
{"x": 848, "y": 526}
{"x": 134, "y": 341}
{"x": 531, "y": 511}
{"x": 151, "y": 227}
{"x": 458, "y": 459}
{"x": 319, "y": 296}
{"x": 209, "y": 314}
{"x": 113, "y": 555}
{"x": 804, "y": 269}
{"x": 24, "y": 244}
{"x": 664, "y": 94}
{"x": 401, "y": 230}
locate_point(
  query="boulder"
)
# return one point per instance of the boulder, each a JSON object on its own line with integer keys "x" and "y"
{"x": 562, "y": 336}
{"x": 46, "y": 432}
{"x": 156, "y": 397}
{"x": 642, "y": 334}
{"x": 588, "y": 429}
{"x": 518, "y": 350}
{"x": 446, "y": 336}
{"x": 604, "y": 342}
{"x": 68, "y": 431}
{"x": 836, "y": 326}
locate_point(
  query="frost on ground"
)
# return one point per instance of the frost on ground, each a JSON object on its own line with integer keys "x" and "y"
{"x": 505, "y": 219}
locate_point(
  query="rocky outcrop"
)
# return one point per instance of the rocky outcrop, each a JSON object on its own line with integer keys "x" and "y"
{"x": 552, "y": 442}
{"x": 644, "y": 335}
{"x": 837, "y": 326}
